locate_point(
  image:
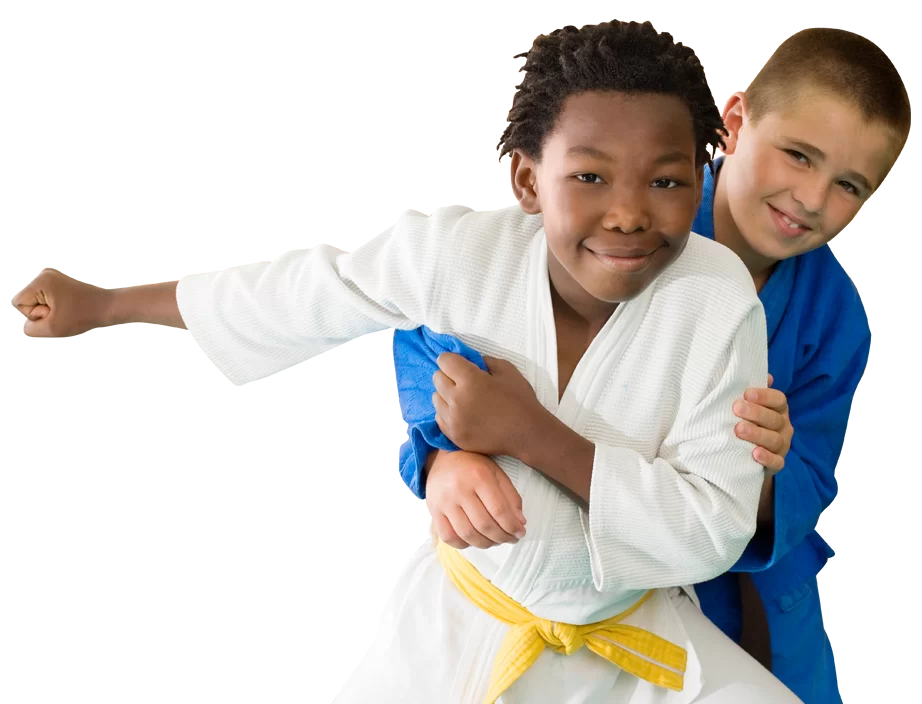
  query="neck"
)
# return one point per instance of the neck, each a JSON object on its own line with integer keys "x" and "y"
{"x": 572, "y": 302}
{"x": 728, "y": 234}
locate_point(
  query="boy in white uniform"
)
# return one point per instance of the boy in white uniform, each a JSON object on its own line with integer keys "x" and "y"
{"x": 624, "y": 339}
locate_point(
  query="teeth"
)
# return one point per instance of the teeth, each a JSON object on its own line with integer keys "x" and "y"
{"x": 791, "y": 223}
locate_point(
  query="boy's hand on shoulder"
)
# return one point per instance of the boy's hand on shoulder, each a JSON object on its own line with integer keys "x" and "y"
{"x": 765, "y": 423}
{"x": 491, "y": 413}
{"x": 56, "y": 305}
{"x": 472, "y": 501}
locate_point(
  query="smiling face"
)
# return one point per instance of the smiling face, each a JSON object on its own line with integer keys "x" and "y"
{"x": 618, "y": 187}
{"x": 796, "y": 177}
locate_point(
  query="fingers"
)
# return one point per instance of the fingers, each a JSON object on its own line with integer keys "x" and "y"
{"x": 771, "y": 380}
{"x": 496, "y": 520}
{"x": 38, "y": 312}
{"x": 456, "y": 367}
{"x": 37, "y": 323}
{"x": 769, "y": 440}
{"x": 446, "y": 533}
{"x": 772, "y": 462}
{"x": 32, "y": 311}
{"x": 512, "y": 496}
{"x": 476, "y": 499}
{"x": 443, "y": 385}
{"x": 464, "y": 526}
{"x": 496, "y": 365}
{"x": 770, "y": 398}
{"x": 36, "y": 308}
{"x": 37, "y": 328}
{"x": 504, "y": 522}
{"x": 28, "y": 300}
{"x": 759, "y": 415}
{"x": 441, "y": 414}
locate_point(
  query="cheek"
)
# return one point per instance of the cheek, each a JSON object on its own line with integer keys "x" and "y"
{"x": 839, "y": 214}
{"x": 769, "y": 172}
{"x": 554, "y": 207}
{"x": 743, "y": 199}
{"x": 569, "y": 215}
{"x": 762, "y": 167}
{"x": 679, "y": 213}
{"x": 676, "y": 247}
{"x": 761, "y": 178}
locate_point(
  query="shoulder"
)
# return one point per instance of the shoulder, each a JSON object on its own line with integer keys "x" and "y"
{"x": 706, "y": 260}
{"x": 460, "y": 222}
{"x": 827, "y": 295}
{"x": 707, "y": 304}
{"x": 458, "y": 254}
{"x": 481, "y": 244}
{"x": 709, "y": 278}
{"x": 456, "y": 232}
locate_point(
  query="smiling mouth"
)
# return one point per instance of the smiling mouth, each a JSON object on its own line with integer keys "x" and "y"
{"x": 788, "y": 224}
{"x": 625, "y": 261}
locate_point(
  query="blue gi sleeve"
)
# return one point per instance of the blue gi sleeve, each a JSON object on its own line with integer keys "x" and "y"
{"x": 416, "y": 354}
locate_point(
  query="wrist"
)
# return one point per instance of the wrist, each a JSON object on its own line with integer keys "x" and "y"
{"x": 111, "y": 305}
{"x": 562, "y": 455}
{"x": 430, "y": 460}
{"x": 536, "y": 428}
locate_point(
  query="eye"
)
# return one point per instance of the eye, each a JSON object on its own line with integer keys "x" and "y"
{"x": 851, "y": 188}
{"x": 589, "y": 178}
{"x": 666, "y": 183}
{"x": 797, "y": 156}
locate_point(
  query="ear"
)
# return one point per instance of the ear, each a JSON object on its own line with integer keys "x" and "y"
{"x": 734, "y": 117}
{"x": 524, "y": 173}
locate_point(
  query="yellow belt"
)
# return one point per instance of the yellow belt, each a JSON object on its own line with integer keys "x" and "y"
{"x": 634, "y": 650}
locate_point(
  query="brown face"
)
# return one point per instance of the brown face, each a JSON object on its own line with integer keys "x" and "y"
{"x": 618, "y": 187}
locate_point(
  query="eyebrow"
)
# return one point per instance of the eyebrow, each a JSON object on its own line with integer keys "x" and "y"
{"x": 820, "y": 155}
{"x": 672, "y": 157}
{"x": 593, "y": 153}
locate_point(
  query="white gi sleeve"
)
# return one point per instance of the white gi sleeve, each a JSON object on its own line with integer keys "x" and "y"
{"x": 687, "y": 516}
{"x": 258, "y": 319}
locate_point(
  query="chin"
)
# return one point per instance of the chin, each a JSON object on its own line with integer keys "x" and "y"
{"x": 621, "y": 295}
{"x": 773, "y": 246}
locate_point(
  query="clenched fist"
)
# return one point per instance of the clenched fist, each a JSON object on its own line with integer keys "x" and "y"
{"x": 56, "y": 305}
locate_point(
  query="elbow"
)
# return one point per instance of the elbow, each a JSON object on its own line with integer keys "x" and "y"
{"x": 732, "y": 520}
{"x": 724, "y": 553}
{"x": 730, "y": 539}
{"x": 732, "y": 549}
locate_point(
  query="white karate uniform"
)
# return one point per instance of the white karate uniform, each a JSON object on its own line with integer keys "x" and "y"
{"x": 674, "y": 493}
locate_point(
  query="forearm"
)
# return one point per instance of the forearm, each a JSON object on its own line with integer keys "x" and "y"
{"x": 567, "y": 458}
{"x": 561, "y": 454}
{"x": 703, "y": 518}
{"x": 154, "y": 303}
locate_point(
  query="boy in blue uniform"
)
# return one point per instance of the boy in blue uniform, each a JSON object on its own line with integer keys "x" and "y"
{"x": 809, "y": 141}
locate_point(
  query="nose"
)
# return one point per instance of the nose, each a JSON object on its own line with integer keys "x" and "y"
{"x": 812, "y": 193}
{"x": 628, "y": 210}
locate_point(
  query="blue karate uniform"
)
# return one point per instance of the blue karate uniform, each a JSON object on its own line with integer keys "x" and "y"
{"x": 818, "y": 343}
{"x": 819, "y": 340}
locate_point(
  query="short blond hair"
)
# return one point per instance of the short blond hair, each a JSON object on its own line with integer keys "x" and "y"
{"x": 841, "y": 63}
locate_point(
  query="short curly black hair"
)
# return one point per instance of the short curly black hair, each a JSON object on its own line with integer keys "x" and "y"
{"x": 626, "y": 57}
